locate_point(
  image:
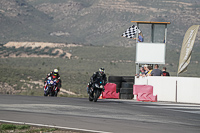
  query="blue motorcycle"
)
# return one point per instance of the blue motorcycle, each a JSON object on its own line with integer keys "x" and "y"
{"x": 51, "y": 88}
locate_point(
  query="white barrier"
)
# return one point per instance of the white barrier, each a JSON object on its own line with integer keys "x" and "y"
{"x": 173, "y": 89}
{"x": 163, "y": 87}
{"x": 188, "y": 90}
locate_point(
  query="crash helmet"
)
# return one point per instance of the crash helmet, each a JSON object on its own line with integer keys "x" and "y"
{"x": 101, "y": 71}
{"x": 55, "y": 72}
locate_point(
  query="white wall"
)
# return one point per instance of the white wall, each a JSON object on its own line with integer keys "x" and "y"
{"x": 141, "y": 80}
{"x": 163, "y": 87}
{"x": 156, "y": 53}
{"x": 187, "y": 90}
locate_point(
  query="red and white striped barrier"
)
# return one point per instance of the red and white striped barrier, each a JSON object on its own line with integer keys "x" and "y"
{"x": 110, "y": 91}
{"x": 144, "y": 93}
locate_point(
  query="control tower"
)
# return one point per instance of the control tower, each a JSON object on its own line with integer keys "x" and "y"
{"x": 153, "y": 48}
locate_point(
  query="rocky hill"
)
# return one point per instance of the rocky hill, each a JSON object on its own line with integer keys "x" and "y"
{"x": 90, "y": 21}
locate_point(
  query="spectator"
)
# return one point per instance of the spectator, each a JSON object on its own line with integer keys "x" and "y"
{"x": 140, "y": 37}
{"x": 165, "y": 73}
{"x": 141, "y": 72}
{"x": 146, "y": 69}
{"x": 156, "y": 71}
{"x": 150, "y": 69}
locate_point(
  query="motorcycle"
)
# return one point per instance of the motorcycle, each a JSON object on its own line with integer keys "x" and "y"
{"x": 96, "y": 90}
{"x": 51, "y": 87}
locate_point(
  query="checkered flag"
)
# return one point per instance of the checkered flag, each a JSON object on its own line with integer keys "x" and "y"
{"x": 130, "y": 32}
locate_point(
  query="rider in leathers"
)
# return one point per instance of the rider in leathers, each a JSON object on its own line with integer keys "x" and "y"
{"x": 99, "y": 74}
{"x": 55, "y": 75}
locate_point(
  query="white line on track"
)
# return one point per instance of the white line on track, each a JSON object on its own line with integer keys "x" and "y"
{"x": 52, "y": 126}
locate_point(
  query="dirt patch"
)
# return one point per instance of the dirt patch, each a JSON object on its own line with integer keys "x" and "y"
{"x": 7, "y": 89}
{"x": 39, "y": 44}
{"x": 68, "y": 55}
{"x": 63, "y": 91}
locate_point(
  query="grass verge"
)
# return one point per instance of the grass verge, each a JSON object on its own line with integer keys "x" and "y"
{"x": 17, "y": 128}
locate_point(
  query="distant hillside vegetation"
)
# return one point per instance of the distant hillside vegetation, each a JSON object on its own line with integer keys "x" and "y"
{"x": 24, "y": 73}
{"x": 90, "y": 21}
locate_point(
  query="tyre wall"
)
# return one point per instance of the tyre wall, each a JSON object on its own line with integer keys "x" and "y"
{"x": 124, "y": 85}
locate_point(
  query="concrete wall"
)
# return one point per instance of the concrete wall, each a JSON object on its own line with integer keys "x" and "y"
{"x": 188, "y": 90}
{"x": 173, "y": 89}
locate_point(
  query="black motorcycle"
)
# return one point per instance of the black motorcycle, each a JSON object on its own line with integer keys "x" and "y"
{"x": 96, "y": 90}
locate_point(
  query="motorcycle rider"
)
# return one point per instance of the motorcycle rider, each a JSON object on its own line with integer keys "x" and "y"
{"x": 55, "y": 75}
{"x": 99, "y": 74}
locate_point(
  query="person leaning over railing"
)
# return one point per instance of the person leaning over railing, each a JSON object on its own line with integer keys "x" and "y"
{"x": 141, "y": 72}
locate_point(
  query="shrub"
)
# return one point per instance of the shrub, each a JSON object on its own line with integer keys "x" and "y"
{"x": 54, "y": 54}
{"x": 28, "y": 49}
{"x": 18, "y": 53}
{"x": 22, "y": 127}
{"x": 7, "y": 127}
{"x": 21, "y": 49}
{"x": 13, "y": 127}
{"x": 6, "y": 55}
{"x": 41, "y": 52}
{"x": 62, "y": 55}
{"x": 50, "y": 51}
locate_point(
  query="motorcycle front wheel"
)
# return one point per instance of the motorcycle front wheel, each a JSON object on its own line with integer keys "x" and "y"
{"x": 45, "y": 94}
{"x": 96, "y": 95}
{"x": 90, "y": 98}
{"x": 56, "y": 93}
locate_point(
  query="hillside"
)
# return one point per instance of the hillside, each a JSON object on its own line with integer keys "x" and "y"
{"x": 24, "y": 72}
{"x": 91, "y": 21}
{"x": 79, "y": 36}
{"x": 25, "y": 65}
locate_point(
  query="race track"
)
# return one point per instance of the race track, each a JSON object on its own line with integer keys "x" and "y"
{"x": 106, "y": 115}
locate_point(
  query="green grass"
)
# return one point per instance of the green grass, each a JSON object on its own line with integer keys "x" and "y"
{"x": 13, "y": 127}
{"x": 6, "y": 128}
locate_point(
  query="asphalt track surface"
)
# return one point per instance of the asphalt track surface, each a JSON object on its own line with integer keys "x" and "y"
{"x": 106, "y": 115}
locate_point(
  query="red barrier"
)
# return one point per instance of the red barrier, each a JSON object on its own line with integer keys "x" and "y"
{"x": 110, "y": 91}
{"x": 144, "y": 93}
{"x": 146, "y": 97}
{"x": 142, "y": 89}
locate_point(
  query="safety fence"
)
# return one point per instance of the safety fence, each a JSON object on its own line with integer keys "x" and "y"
{"x": 173, "y": 89}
